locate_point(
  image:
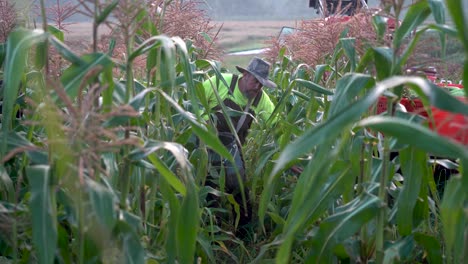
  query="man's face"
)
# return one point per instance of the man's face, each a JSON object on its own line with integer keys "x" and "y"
{"x": 249, "y": 85}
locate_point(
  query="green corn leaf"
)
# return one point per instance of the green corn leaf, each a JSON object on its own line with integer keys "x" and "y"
{"x": 176, "y": 149}
{"x": 56, "y": 32}
{"x": 383, "y": 57}
{"x": 132, "y": 249}
{"x": 187, "y": 225}
{"x": 409, "y": 49}
{"x": 168, "y": 174}
{"x": 350, "y": 113}
{"x": 320, "y": 71}
{"x": 349, "y": 48}
{"x": 206, "y": 37}
{"x": 155, "y": 42}
{"x": 75, "y": 75}
{"x": 301, "y": 95}
{"x": 63, "y": 245}
{"x": 40, "y": 57}
{"x": 103, "y": 203}
{"x": 179, "y": 152}
{"x": 66, "y": 52}
{"x": 415, "y": 16}
{"x": 459, "y": 14}
{"x": 365, "y": 61}
{"x": 415, "y": 135}
{"x": 106, "y": 12}
{"x": 2, "y": 54}
{"x": 107, "y": 94}
{"x": 413, "y": 166}
{"x": 43, "y": 213}
{"x": 18, "y": 44}
{"x": 301, "y": 71}
{"x": 137, "y": 102}
{"x": 312, "y": 86}
{"x": 188, "y": 74}
{"x": 437, "y": 10}
{"x": 16, "y": 141}
{"x": 208, "y": 137}
{"x": 312, "y": 196}
{"x": 340, "y": 226}
{"x": 152, "y": 59}
{"x": 454, "y": 218}
{"x": 432, "y": 247}
{"x": 6, "y": 184}
{"x": 207, "y": 247}
{"x": 347, "y": 88}
{"x": 399, "y": 250}
{"x": 380, "y": 25}
{"x": 173, "y": 212}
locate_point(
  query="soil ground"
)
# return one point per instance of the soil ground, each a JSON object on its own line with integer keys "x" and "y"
{"x": 242, "y": 33}
{"x": 233, "y": 36}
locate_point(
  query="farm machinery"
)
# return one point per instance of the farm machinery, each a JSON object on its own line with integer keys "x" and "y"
{"x": 337, "y": 7}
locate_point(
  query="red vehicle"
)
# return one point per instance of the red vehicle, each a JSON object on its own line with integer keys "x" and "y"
{"x": 447, "y": 124}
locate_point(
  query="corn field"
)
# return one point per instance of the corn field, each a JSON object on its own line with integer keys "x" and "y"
{"x": 105, "y": 160}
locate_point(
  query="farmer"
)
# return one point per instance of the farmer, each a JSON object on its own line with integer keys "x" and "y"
{"x": 243, "y": 94}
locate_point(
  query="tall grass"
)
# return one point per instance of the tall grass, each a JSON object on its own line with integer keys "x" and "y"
{"x": 97, "y": 169}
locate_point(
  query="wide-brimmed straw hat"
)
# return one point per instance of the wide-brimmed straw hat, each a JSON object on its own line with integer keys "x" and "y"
{"x": 260, "y": 69}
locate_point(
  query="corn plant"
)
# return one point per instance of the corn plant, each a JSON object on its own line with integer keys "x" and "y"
{"x": 349, "y": 202}
{"x": 99, "y": 169}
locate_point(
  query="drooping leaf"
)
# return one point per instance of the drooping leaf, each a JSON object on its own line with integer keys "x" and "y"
{"x": 176, "y": 149}
{"x": 74, "y": 76}
{"x": 16, "y": 142}
{"x": 56, "y": 32}
{"x": 17, "y": 46}
{"x": 454, "y": 218}
{"x": 312, "y": 86}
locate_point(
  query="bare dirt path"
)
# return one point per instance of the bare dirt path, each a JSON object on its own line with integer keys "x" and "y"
{"x": 232, "y": 33}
